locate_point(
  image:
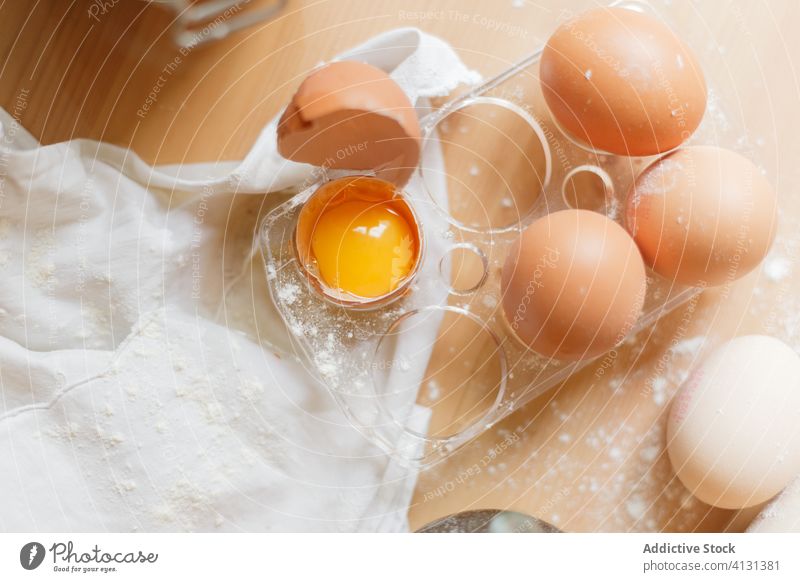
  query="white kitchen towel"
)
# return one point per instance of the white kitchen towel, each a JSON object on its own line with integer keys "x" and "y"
{"x": 143, "y": 385}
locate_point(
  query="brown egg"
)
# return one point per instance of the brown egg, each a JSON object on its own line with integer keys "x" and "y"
{"x": 353, "y": 116}
{"x": 622, "y": 82}
{"x": 573, "y": 285}
{"x": 702, "y": 215}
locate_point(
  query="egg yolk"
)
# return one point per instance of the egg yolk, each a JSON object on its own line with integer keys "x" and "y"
{"x": 363, "y": 248}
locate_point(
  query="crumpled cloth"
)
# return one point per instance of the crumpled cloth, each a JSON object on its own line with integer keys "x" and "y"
{"x": 144, "y": 380}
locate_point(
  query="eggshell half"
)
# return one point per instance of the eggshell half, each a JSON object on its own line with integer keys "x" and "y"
{"x": 353, "y": 116}
{"x": 573, "y": 285}
{"x": 622, "y": 82}
{"x": 733, "y": 434}
{"x": 702, "y": 215}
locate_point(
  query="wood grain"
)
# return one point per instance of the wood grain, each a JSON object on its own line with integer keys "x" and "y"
{"x": 590, "y": 455}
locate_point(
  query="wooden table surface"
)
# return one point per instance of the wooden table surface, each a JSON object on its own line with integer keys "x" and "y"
{"x": 587, "y": 457}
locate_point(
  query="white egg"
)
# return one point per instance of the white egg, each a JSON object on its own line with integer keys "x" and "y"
{"x": 733, "y": 434}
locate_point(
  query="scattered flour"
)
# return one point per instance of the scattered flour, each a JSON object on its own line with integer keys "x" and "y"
{"x": 289, "y": 293}
{"x": 433, "y": 390}
{"x": 689, "y": 347}
{"x": 659, "y": 386}
{"x": 636, "y": 508}
{"x": 658, "y": 179}
{"x": 649, "y": 454}
{"x": 777, "y": 268}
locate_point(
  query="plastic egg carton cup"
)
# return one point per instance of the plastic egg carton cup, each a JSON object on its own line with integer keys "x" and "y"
{"x": 506, "y": 163}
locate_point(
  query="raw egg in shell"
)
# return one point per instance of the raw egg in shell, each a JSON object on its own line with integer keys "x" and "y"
{"x": 359, "y": 240}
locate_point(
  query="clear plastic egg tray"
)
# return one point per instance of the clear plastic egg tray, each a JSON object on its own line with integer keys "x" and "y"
{"x": 428, "y": 372}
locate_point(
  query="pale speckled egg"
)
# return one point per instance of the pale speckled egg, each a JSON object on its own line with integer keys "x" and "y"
{"x": 733, "y": 434}
{"x": 573, "y": 285}
{"x": 621, "y": 81}
{"x": 702, "y": 215}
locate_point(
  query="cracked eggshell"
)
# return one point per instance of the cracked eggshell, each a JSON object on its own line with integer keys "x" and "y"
{"x": 349, "y": 115}
{"x": 573, "y": 285}
{"x": 702, "y": 215}
{"x": 732, "y": 434}
{"x": 622, "y": 82}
